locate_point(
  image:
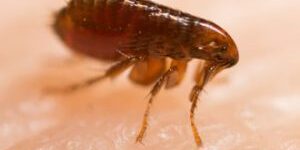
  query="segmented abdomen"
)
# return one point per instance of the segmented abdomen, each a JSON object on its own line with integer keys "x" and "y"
{"x": 137, "y": 27}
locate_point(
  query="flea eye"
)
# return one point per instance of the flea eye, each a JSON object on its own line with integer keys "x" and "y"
{"x": 218, "y": 57}
{"x": 223, "y": 48}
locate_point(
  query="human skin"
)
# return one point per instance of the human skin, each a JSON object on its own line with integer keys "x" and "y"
{"x": 253, "y": 105}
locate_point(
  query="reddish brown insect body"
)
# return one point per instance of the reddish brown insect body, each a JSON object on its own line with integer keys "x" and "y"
{"x": 143, "y": 34}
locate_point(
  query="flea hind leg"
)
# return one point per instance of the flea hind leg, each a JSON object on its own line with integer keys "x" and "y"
{"x": 113, "y": 71}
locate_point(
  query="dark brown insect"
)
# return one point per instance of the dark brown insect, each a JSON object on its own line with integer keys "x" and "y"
{"x": 143, "y": 34}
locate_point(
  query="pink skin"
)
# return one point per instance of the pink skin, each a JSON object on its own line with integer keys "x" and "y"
{"x": 254, "y": 105}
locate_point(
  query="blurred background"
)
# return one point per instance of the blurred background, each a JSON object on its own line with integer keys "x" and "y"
{"x": 254, "y": 105}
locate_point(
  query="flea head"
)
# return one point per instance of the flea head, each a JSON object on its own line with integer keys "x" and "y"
{"x": 214, "y": 45}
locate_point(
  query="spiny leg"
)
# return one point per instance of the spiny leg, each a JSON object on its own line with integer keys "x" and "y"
{"x": 194, "y": 99}
{"x": 113, "y": 71}
{"x": 172, "y": 78}
{"x": 203, "y": 75}
{"x": 153, "y": 93}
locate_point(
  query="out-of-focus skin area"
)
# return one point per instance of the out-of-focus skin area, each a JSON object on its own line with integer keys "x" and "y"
{"x": 253, "y": 106}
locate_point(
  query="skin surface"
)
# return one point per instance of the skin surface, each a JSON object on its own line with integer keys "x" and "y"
{"x": 254, "y": 105}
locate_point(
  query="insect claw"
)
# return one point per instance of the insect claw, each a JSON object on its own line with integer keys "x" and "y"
{"x": 139, "y": 139}
{"x": 140, "y": 136}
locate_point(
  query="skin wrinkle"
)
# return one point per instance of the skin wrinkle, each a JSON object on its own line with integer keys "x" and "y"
{"x": 254, "y": 105}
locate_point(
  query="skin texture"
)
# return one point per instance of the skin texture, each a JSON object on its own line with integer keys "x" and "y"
{"x": 254, "y": 105}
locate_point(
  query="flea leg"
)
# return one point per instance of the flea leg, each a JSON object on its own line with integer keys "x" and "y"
{"x": 176, "y": 77}
{"x": 113, "y": 71}
{"x": 153, "y": 93}
{"x": 194, "y": 99}
{"x": 203, "y": 75}
{"x": 148, "y": 71}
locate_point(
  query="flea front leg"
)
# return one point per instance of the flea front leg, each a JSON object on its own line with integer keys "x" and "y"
{"x": 203, "y": 75}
